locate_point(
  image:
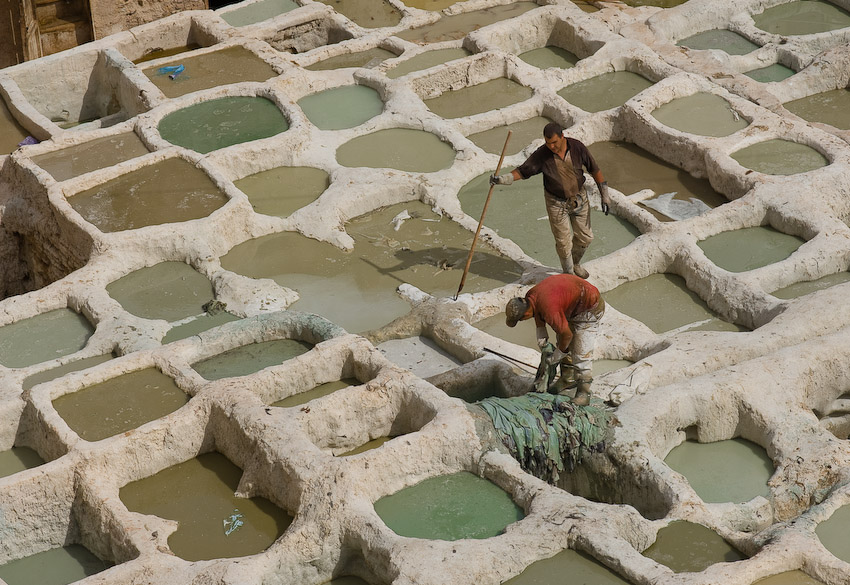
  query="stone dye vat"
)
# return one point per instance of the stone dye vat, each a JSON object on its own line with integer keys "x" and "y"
{"x": 686, "y": 547}
{"x": 283, "y": 190}
{"x": 42, "y": 338}
{"x": 247, "y": 359}
{"x": 169, "y": 52}
{"x": 257, "y": 12}
{"x": 68, "y": 368}
{"x": 120, "y": 404}
{"x": 449, "y": 507}
{"x": 222, "y": 122}
{"x": 580, "y": 567}
{"x": 168, "y": 191}
{"x": 475, "y": 99}
{"x": 314, "y": 393}
{"x": 231, "y": 65}
{"x": 721, "y": 39}
{"x": 798, "y": 289}
{"x": 452, "y": 28}
{"x": 550, "y": 56}
{"x": 420, "y": 355}
{"x": 427, "y": 60}
{"x": 829, "y": 107}
{"x": 11, "y": 132}
{"x": 168, "y": 290}
{"x": 780, "y": 157}
{"x": 89, "y": 156}
{"x": 606, "y": 91}
{"x": 775, "y": 72}
{"x": 367, "y": 58}
{"x": 522, "y": 134}
{"x": 744, "y": 467}
{"x": 57, "y": 566}
{"x": 197, "y": 324}
{"x": 832, "y": 533}
{"x": 789, "y": 578}
{"x": 702, "y": 113}
{"x": 213, "y": 522}
{"x": 803, "y": 17}
{"x": 404, "y": 149}
{"x": 341, "y": 107}
{"x": 749, "y": 248}
{"x": 18, "y": 459}
{"x": 368, "y": 13}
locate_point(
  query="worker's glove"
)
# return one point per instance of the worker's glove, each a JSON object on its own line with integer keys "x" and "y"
{"x": 505, "y": 179}
{"x": 542, "y": 337}
{"x": 606, "y": 199}
{"x": 556, "y": 357}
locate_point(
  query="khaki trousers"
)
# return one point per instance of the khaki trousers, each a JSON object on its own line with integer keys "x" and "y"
{"x": 570, "y": 225}
{"x": 583, "y": 344}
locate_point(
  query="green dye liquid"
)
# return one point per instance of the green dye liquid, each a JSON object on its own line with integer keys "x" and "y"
{"x": 452, "y": 28}
{"x": 780, "y": 157}
{"x": 198, "y": 325}
{"x": 404, "y": 149}
{"x": 567, "y": 567}
{"x": 775, "y": 72}
{"x": 258, "y": 12}
{"x": 606, "y": 91}
{"x": 829, "y": 107}
{"x": 722, "y": 39}
{"x": 749, "y": 248}
{"x": 426, "y": 61}
{"x": 342, "y": 107}
{"x": 314, "y": 393}
{"x": 283, "y": 190}
{"x": 686, "y": 547}
{"x": 484, "y": 97}
{"x": 168, "y": 290}
{"x": 251, "y": 358}
{"x": 522, "y": 134}
{"x": 798, "y": 289}
{"x": 44, "y": 337}
{"x": 703, "y": 113}
{"x": 449, "y": 507}
{"x": 804, "y": 17}
{"x": 550, "y": 56}
{"x": 57, "y": 566}
{"x": 369, "y": 57}
{"x": 59, "y": 371}
{"x": 223, "y": 122}
{"x": 18, "y": 459}
{"x": 90, "y": 156}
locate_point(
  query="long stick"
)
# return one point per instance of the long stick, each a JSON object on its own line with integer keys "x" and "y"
{"x": 507, "y": 357}
{"x": 481, "y": 221}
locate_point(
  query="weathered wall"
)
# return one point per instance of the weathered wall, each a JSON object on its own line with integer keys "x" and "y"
{"x": 10, "y": 33}
{"x": 109, "y": 17}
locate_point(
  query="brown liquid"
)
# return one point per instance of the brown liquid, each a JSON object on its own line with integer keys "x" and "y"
{"x": 475, "y": 99}
{"x": 451, "y": 28}
{"x": 90, "y": 156}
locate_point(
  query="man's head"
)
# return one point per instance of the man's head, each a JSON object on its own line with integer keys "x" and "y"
{"x": 553, "y": 135}
{"x": 515, "y": 311}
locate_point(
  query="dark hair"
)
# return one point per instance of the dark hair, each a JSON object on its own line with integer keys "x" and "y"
{"x": 551, "y": 129}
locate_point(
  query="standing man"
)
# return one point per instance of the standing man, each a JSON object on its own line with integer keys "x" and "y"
{"x": 572, "y": 307}
{"x": 564, "y": 191}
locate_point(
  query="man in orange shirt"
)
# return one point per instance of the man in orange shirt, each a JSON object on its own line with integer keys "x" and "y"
{"x": 572, "y": 307}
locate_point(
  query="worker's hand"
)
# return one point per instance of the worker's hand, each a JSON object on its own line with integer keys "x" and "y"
{"x": 556, "y": 357}
{"x": 606, "y": 199}
{"x": 505, "y": 179}
{"x": 542, "y": 337}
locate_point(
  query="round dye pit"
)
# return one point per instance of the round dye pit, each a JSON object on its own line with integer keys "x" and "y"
{"x": 168, "y": 290}
{"x": 780, "y": 157}
{"x": 829, "y": 107}
{"x": 283, "y": 190}
{"x": 606, "y": 91}
{"x": 257, "y": 12}
{"x": 703, "y": 113}
{"x": 550, "y": 56}
{"x": 522, "y": 134}
{"x": 803, "y": 17}
{"x": 475, "y": 99}
{"x": 248, "y": 359}
{"x": 749, "y": 248}
{"x": 426, "y": 61}
{"x": 404, "y": 149}
{"x": 580, "y": 567}
{"x": 42, "y": 338}
{"x": 721, "y": 39}
{"x": 92, "y": 155}
{"x": 686, "y": 547}
{"x": 342, "y": 107}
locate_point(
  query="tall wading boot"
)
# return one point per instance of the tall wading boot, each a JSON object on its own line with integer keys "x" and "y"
{"x": 582, "y": 396}
{"x": 567, "y": 265}
{"x": 578, "y": 252}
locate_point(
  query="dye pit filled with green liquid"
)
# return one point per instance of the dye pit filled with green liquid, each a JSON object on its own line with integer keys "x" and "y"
{"x": 567, "y": 567}
{"x": 341, "y": 107}
{"x": 120, "y": 404}
{"x": 686, "y": 547}
{"x": 318, "y": 392}
{"x": 168, "y": 290}
{"x": 283, "y": 190}
{"x": 550, "y": 56}
{"x": 11, "y": 132}
{"x": 18, "y": 459}
{"x": 702, "y": 113}
{"x": 775, "y": 72}
{"x": 518, "y": 212}
{"x": 832, "y": 533}
{"x": 199, "y": 495}
{"x": 357, "y": 290}
{"x": 57, "y": 566}
{"x": 232, "y": 65}
{"x": 522, "y": 134}
{"x": 455, "y": 27}
{"x": 745, "y": 467}
{"x": 829, "y": 107}
{"x": 43, "y": 337}
{"x": 426, "y": 61}
{"x": 684, "y": 309}
{"x": 404, "y": 149}
{"x": 803, "y": 17}
{"x": 789, "y": 578}
{"x": 749, "y": 248}
{"x": 258, "y": 11}
{"x": 90, "y": 156}
{"x": 247, "y": 359}
{"x": 369, "y": 57}
{"x": 367, "y": 13}
{"x": 449, "y": 507}
{"x": 59, "y": 371}
{"x": 606, "y": 91}
{"x": 222, "y": 122}
{"x": 780, "y": 157}
{"x": 172, "y": 190}
{"x": 798, "y": 289}
{"x": 722, "y": 39}
{"x": 485, "y": 97}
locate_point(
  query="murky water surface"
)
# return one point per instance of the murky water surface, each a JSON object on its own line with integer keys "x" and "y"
{"x": 213, "y": 522}
{"x": 798, "y": 289}
{"x": 475, "y": 99}
{"x": 283, "y": 190}
{"x": 780, "y": 157}
{"x": 404, "y": 149}
{"x": 169, "y": 52}
{"x": 168, "y": 290}
{"x": 522, "y": 134}
{"x": 247, "y": 359}
{"x": 59, "y": 371}
{"x": 687, "y": 547}
{"x": 18, "y": 459}
{"x": 723, "y": 39}
{"x": 789, "y": 578}
{"x": 550, "y": 56}
{"x": 317, "y": 392}
{"x": 258, "y": 12}
{"x": 341, "y": 107}
{"x": 449, "y": 507}
{"x": 803, "y": 17}
{"x": 702, "y": 113}
{"x": 427, "y": 60}
{"x": 452, "y": 28}
{"x": 367, "y": 13}
{"x": 57, "y": 566}
{"x": 749, "y": 248}
{"x": 579, "y": 567}
{"x": 11, "y": 132}
{"x": 43, "y": 337}
{"x": 197, "y": 325}
{"x": 829, "y": 107}
{"x": 606, "y": 91}
{"x": 369, "y": 57}
{"x": 90, "y": 156}
{"x": 832, "y": 533}
{"x": 775, "y": 72}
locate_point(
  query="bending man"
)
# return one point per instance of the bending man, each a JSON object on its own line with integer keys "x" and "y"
{"x": 564, "y": 191}
{"x": 572, "y": 307}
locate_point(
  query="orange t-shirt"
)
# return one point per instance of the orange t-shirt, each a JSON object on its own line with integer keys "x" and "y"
{"x": 557, "y": 299}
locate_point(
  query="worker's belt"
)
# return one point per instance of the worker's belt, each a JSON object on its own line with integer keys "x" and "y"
{"x": 573, "y": 202}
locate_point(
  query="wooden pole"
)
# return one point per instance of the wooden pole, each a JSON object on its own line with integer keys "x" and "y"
{"x": 481, "y": 221}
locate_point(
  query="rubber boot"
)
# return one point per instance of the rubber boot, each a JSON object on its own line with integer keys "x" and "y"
{"x": 567, "y": 265}
{"x": 582, "y": 397}
{"x": 578, "y": 252}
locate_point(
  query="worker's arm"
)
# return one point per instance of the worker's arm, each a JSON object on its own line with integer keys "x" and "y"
{"x": 603, "y": 190}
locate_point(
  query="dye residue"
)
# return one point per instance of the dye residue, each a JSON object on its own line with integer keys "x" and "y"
{"x": 199, "y": 495}
{"x": 257, "y": 12}
{"x": 798, "y": 289}
{"x": 775, "y": 72}
{"x": 57, "y": 566}
{"x": 367, "y": 446}
{"x": 44, "y": 337}
{"x": 168, "y": 290}
{"x": 283, "y": 190}
{"x": 580, "y": 567}
{"x": 722, "y": 39}
{"x": 749, "y": 248}
{"x": 60, "y": 371}
{"x": 90, "y": 156}
{"x": 492, "y": 95}
{"x": 803, "y": 17}
{"x": 452, "y": 28}
{"x": 120, "y": 404}
{"x": 686, "y": 547}
{"x": 427, "y": 60}
{"x": 342, "y": 107}
{"x": 317, "y": 392}
{"x": 18, "y": 459}
{"x": 702, "y": 113}
{"x": 368, "y": 58}
{"x": 522, "y": 134}
{"x": 168, "y": 191}
{"x": 367, "y": 13}
{"x": 449, "y": 507}
{"x": 606, "y": 91}
{"x": 744, "y": 467}
{"x": 404, "y": 149}
{"x": 550, "y": 56}
{"x": 250, "y": 358}
{"x": 780, "y": 157}
{"x": 11, "y": 132}
{"x": 829, "y": 107}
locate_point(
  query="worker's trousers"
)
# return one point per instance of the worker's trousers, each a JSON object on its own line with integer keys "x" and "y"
{"x": 570, "y": 223}
{"x": 584, "y": 327}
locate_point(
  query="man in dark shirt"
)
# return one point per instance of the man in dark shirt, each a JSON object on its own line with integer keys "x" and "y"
{"x": 564, "y": 191}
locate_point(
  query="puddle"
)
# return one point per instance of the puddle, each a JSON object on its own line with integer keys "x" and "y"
{"x": 91, "y": 156}
{"x": 449, "y": 507}
{"x": 580, "y": 567}
{"x": 257, "y": 12}
{"x": 283, "y": 190}
{"x": 222, "y": 122}
{"x": 420, "y": 355}
{"x": 163, "y": 53}
{"x": 60, "y": 371}
{"x": 744, "y": 465}
{"x": 485, "y": 97}
{"x": 629, "y": 169}
{"x": 426, "y": 61}
{"x": 57, "y": 566}
{"x": 342, "y": 107}
{"x": 749, "y": 248}
{"x": 197, "y": 325}
{"x": 452, "y": 28}
{"x": 120, "y": 404}
{"x": 368, "y": 446}
{"x": 18, "y": 459}
{"x": 357, "y": 290}
{"x": 829, "y": 107}
{"x": 232, "y": 65}
{"x": 832, "y": 533}
{"x": 11, "y": 132}
{"x": 370, "y": 57}
{"x": 703, "y": 113}
{"x": 523, "y": 133}
{"x": 550, "y": 56}
{"x": 775, "y": 72}
{"x": 663, "y": 302}
{"x": 518, "y": 212}
{"x": 722, "y": 39}
{"x": 168, "y": 290}
{"x": 404, "y": 149}
{"x": 367, "y": 13}
{"x": 172, "y": 190}
{"x": 199, "y": 495}
{"x": 686, "y": 547}
{"x": 247, "y": 359}
{"x": 43, "y": 337}
{"x": 606, "y": 91}
{"x": 789, "y": 578}
{"x": 780, "y": 157}
{"x": 803, "y": 17}
{"x": 798, "y": 289}
{"x": 317, "y": 392}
